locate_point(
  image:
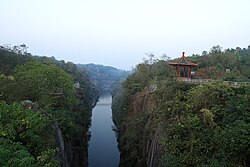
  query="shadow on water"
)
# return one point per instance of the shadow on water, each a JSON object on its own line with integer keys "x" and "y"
{"x": 103, "y": 149}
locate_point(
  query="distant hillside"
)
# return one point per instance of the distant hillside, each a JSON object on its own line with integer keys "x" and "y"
{"x": 104, "y": 76}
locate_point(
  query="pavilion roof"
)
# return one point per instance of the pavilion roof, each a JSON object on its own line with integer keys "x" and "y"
{"x": 183, "y": 62}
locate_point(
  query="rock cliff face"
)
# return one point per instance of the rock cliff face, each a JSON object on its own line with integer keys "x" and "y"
{"x": 77, "y": 151}
{"x": 60, "y": 144}
{"x": 73, "y": 151}
{"x": 139, "y": 134}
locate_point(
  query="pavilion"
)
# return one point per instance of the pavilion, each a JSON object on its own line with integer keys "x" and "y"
{"x": 183, "y": 67}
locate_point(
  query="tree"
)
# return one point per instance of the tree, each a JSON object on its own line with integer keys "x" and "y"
{"x": 20, "y": 49}
{"x": 49, "y": 85}
{"x": 23, "y": 137}
{"x": 204, "y": 53}
{"x": 215, "y": 49}
{"x": 7, "y": 84}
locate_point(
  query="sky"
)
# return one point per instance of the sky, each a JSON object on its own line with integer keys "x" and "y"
{"x": 119, "y": 33}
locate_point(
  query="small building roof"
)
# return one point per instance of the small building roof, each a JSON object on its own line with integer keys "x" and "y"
{"x": 183, "y": 62}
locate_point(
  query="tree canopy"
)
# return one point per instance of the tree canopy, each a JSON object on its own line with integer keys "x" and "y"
{"x": 49, "y": 85}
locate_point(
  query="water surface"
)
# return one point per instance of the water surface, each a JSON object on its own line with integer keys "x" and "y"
{"x": 103, "y": 151}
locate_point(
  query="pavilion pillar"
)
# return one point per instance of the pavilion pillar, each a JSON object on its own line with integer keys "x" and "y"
{"x": 189, "y": 72}
{"x": 179, "y": 72}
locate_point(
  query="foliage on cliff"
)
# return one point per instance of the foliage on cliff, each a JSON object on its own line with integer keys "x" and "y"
{"x": 206, "y": 125}
{"x": 51, "y": 93}
{"x": 195, "y": 125}
{"x": 24, "y": 137}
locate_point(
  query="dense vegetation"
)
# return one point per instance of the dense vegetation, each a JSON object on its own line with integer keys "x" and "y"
{"x": 45, "y": 109}
{"x": 213, "y": 64}
{"x": 164, "y": 122}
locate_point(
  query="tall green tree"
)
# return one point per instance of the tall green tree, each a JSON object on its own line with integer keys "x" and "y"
{"x": 48, "y": 85}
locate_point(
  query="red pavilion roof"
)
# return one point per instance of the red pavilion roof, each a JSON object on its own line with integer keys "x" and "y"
{"x": 183, "y": 62}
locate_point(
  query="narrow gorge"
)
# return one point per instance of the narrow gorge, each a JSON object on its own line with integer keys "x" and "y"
{"x": 54, "y": 113}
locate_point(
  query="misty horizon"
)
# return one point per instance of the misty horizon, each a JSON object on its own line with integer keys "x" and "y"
{"x": 119, "y": 34}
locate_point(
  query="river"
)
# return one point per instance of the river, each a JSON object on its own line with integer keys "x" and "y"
{"x": 103, "y": 151}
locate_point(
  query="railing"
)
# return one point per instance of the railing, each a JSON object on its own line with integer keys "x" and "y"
{"x": 195, "y": 81}
{"x": 238, "y": 84}
{"x": 203, "y": 81}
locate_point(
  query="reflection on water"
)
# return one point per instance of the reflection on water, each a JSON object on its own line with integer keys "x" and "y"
{"x": 103, "y": 151}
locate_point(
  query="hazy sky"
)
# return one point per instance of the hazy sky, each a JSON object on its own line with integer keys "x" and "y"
{"x": 120, "y": 32}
